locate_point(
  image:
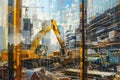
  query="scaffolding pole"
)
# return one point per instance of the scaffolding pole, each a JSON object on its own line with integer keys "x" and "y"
{"x": 14, "y": 31}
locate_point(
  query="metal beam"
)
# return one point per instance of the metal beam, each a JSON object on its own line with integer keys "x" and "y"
{"x": 10, "y": 45}
{"x": 14, "y": 30}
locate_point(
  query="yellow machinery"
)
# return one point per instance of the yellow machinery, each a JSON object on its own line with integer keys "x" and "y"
{"x": 57, "y": 33}
{"x": 30, "y": 54}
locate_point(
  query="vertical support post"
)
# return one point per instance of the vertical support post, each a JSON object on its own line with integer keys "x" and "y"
{"x": 14, "y": 30}
{"x": 11, "y": 39}
{"x": 81, "y": 48}
{"x": 84, "y": 65}
{"x": 18, "y": 32}
{"x": 83, "y": 42}
{"x": 10, "y": 62}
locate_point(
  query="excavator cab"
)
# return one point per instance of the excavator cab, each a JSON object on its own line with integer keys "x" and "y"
{"x": 41, "y": 50}
{"x": 63, "y": 51}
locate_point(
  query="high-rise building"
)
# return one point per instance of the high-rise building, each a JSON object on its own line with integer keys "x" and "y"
{"x": 61, "y": 29}
{"x": 94, "y": 8}
{"x": 2, "y": 38}
{"x": 27, "y": 30}
{"x": 3, "y": 22}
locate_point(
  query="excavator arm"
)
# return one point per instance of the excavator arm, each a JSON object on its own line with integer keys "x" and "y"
{"x": 41, "y": 34}
{"x": 28, "y": 54}
{"x": 57, "y": 33}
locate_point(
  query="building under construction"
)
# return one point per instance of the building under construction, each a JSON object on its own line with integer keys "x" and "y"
{"x": 59, "y": 40}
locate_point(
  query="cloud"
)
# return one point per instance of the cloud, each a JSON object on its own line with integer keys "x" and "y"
{"x": 76, "y": 0}
{"x": 106, "y": 0}
{"x": 67, "y": 6}
{"x": 51, "y": 6}
{"x": 28, "y": 2}
{"x": 73, "y": 5}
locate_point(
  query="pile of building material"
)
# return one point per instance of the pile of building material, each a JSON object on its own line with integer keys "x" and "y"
{"x": 42, "y": 74}
{"x": 100, "y": 75}
{"x": 3, "y": 73}
{"x": 73, "y": 73}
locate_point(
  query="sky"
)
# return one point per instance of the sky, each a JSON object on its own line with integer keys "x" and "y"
{"x": 64, "y": 10}
{"x": 50, "y": 6}
{"x": 96, "y": 7}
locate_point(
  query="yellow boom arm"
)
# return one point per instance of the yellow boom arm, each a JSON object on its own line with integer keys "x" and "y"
{"x": 43, "y": 32}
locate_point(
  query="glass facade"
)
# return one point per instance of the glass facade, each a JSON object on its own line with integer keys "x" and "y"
{"x": 71, "y": 48}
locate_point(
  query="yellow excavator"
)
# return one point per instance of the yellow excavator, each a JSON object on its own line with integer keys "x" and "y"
{"x": 29, "y": 57}
{"x": 30, "y": 54}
